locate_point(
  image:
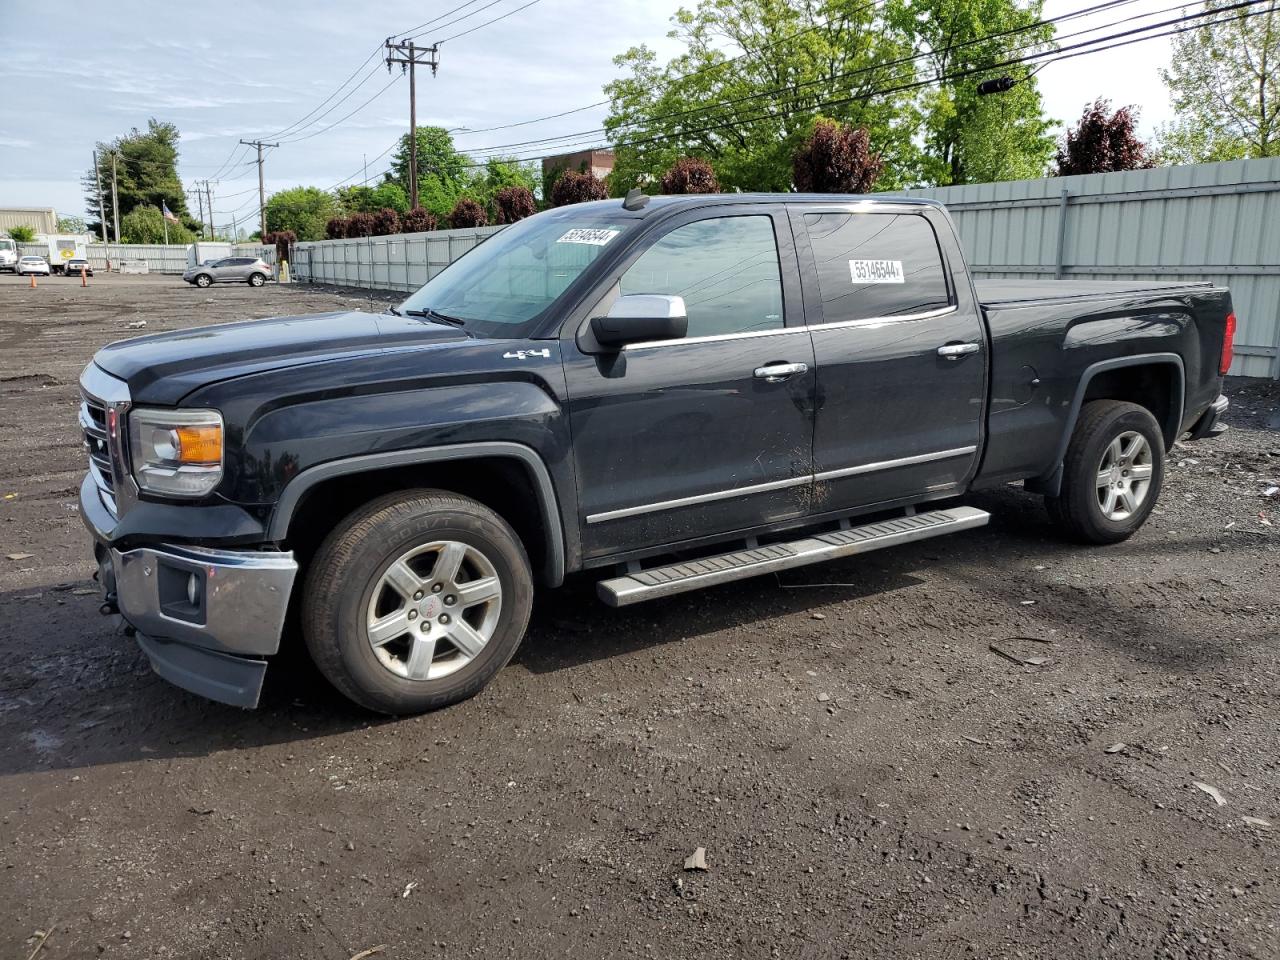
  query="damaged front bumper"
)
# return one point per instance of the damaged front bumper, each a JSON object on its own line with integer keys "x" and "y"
{"x": 204, "y": 617}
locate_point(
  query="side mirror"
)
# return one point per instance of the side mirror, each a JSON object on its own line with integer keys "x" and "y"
{"x": 639, "y": 317}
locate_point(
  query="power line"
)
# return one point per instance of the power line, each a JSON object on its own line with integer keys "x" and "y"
{"x": 297, "y": 123}
{"x": 316, "y": 133}
{"x": 487, "y": 23}
{"x": 404, "y": 34}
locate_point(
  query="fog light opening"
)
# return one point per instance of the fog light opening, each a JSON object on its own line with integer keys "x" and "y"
{"x": 193, "y": 590}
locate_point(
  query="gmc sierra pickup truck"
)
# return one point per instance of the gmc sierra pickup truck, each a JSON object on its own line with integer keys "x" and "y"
{"x": 672, "y": 392}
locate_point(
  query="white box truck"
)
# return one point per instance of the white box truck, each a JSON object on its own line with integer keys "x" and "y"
{"x": 62, "y": 247}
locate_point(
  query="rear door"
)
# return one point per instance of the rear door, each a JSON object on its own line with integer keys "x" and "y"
{"x": 693, "y": 438}
{"x": 901, "y": 354}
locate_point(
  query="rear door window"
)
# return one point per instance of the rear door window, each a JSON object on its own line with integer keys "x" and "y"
{"x": 876, "y": 265}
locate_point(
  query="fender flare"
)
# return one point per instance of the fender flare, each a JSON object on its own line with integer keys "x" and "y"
{"x": 1050, "y": 484}
{"x": 543, "y": 487}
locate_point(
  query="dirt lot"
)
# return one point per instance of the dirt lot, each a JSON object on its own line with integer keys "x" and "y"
{"x": 868, "y": 777}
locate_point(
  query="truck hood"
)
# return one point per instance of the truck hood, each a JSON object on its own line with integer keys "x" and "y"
{"x": 165, "y": 367}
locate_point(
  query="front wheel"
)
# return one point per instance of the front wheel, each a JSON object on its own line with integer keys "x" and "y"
{"x": 416, "y": 600}
{"x": 203, "y": 280}
{"x": 1112, "y": 473}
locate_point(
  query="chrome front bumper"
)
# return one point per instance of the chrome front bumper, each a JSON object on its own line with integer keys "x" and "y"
{"x": 204, "y": 616}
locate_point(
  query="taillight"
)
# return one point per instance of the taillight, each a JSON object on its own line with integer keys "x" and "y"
{"x": 1228, "y": 344}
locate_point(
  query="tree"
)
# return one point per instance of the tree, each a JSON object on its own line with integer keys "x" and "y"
{"x": 335, "y": 228}
{"x": 146, "y": 175}
{"x": 71, "y": 225}
{"x": 468, "y": 213}
{"x": 443, "y": 172}
{"x": 574, "y": 187}
{"x": 386, "y": 222}
{"x": 386, "y": 195}
{"x": 304, "y": 210}
{"x": 360, "y": 225}
{"x": 968, "y": 138}
{"x": 1225, "y": 85}
{"x": 751, "y": 79}
{"x": 513, "y": 203}
{"x": 836, "y": 159}
{"x": 499, "y": 173}
{"x": 147, "y": 225}
{"x": 23, "y": 233}
{"x": 689, "y": 175}
{"x": 282, "y": 240}
{"x": 417, "y": 220}
{"x": 1103, "y": 141}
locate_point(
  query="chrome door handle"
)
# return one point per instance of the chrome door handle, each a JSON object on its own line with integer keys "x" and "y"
{"x": 778, "y": 372}
{"x": 954, "y": 351}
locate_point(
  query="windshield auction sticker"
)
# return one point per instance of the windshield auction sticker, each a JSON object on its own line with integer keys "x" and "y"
{"x": 876, "y": 271}
{"x": 594, "y": 237}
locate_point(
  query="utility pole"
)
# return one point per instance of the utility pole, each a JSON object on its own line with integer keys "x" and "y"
{"x": 102, "y": 213}
{"x": 406, "y": 54}
{"x": 262, "y": 193}
{"x": 115, "y": 199}
{"x": 199, "y": 204}
{"x": 209, "y": 196}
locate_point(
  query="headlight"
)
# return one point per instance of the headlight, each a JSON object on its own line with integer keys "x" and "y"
{"x": 176, "y": 452}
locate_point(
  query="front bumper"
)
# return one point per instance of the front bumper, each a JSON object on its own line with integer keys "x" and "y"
{"x": 205, "y": 617}
{"x": 1210, "y": 423}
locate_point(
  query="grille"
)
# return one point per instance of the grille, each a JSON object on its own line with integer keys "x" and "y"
{"x": 93, "y": 421}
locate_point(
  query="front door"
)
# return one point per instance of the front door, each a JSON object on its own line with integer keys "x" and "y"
{"x": 901, "y": 353}
{"x": 695, "y": 438}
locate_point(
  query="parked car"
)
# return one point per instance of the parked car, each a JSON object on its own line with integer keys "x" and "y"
{"x": 251, "y": 270}
{"x": 76, "y": 264}
{"x": 33, "y": 265}
{"x": 671, "y": 393}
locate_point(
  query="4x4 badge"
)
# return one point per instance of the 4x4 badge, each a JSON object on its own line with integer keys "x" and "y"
{"x": 525, "y": 354}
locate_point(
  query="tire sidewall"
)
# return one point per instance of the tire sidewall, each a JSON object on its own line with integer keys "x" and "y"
{"x": 394, "y": 536}
{"x": 1085, "y": 488}
{"x": 257, "y": 280}
{"x": 203, "y": 280}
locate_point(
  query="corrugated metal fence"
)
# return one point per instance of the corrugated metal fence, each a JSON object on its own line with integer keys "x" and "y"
{"x": 159, "y": 257}
{"x": 1212, "y": 221}
{"x": 403, "y": 261}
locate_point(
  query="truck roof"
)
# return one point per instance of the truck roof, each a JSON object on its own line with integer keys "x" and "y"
{"x": 665, "y": 203}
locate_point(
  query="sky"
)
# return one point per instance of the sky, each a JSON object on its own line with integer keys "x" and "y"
{"x": 252, "y": 71}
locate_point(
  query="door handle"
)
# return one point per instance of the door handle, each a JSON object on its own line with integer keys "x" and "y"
{"x": 954, "y": 351}
{"x": 778, "y": 372}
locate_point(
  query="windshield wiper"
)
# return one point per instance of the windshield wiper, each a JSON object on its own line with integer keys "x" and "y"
{"x": 433, "y": 315}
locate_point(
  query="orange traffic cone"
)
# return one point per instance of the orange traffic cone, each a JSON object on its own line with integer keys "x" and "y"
{"x": 33, "y": 281}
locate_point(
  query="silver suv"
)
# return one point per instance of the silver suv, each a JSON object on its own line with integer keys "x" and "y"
{"x": 251, "y": 270}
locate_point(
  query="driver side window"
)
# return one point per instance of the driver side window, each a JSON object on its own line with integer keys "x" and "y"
{"x": 725, "y": 268}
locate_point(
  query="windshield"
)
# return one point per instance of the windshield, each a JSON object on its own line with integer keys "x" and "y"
{"x": 511, "y": 278}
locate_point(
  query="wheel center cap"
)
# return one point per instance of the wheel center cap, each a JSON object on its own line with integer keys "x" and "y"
{"x": 430, "y": 608}
{"x": 1115, "y": 475}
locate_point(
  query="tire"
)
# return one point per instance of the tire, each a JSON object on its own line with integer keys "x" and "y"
{"x": 256, "y": 279}
{"x": 202, "y": 280}
{"x": 350, "y": 589}
{"x": 1089, "y": 511}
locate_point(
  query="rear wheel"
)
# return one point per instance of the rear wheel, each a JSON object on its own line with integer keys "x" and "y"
{"x": 416, "y": 601}
{"x": 1112, "y": 473}
{"x": 203, "y": 280}
{"x": 256, "y": 279}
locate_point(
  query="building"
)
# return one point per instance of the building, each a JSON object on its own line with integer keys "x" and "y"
{"x": 40, "y": 219}
{"x": 598, "y": 162}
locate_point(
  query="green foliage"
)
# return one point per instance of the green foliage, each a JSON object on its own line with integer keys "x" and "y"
{"x": 499, "y": 173}
{"x": 304, "y": 210}
{"x": 146, "y": 175}
{"x": 755, "y": 74}
{"x": 147, "y": 225}
{"x": 71, "y": 225}
{"x": 1225, "y": 82}
{"x": 444, "y": 174}
{"x": 387, "y": 195}
{"x": 23, "y": 233}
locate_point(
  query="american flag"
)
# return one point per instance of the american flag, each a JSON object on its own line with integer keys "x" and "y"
{"x": 168, "y": 214}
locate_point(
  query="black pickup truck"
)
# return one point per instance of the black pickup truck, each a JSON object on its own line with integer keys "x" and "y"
{"x": 671, "y": 392}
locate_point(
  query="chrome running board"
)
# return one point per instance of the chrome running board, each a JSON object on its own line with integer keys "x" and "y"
{"x": 708, "y": 571}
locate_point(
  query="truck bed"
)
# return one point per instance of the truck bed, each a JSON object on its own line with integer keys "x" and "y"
{"x": 1011, "y": 293}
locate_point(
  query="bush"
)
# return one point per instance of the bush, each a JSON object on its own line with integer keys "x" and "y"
{"x": 690, "y": 175}
{"x": 836, "y": 159}
{"x": 23, "y": 233}
{"x": 283, "y": 240}
{"x": 513, "y": 203}
{"x": 360, "y": 225}
{"x": 574, "y": 187}
{"x": 467, "y": 213}
{"x": 336, "y": 228}
{"x": 417, "y": 220}
{"x": 1103, "y": 142}
{"x": 386, "y": 221}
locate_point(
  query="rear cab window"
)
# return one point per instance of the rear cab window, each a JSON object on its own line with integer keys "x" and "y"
{"x": 876, "y": 265}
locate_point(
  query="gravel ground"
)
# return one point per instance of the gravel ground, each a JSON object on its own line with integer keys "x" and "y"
{"x": 868, "y": 778}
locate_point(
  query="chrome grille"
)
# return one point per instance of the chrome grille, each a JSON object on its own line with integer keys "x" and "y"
{"x": 93, "y": 422}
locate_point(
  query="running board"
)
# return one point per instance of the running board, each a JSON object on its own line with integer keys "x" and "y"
{"x": 695, "y": 574}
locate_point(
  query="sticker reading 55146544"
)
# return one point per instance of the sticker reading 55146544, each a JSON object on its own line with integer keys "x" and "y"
{"x": 876, "y": 271}
{"x": 596, "y": 237}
